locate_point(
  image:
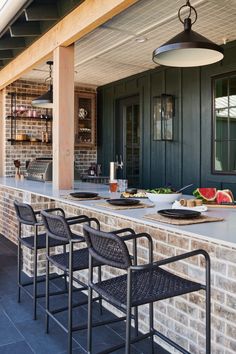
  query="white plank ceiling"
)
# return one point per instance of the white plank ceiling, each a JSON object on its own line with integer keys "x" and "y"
{"x": 112, "y": 52}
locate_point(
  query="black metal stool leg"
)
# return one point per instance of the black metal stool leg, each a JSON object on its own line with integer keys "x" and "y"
{"x": 65, "y": 274}
{"x": 47, "y": 289}
{"x": 136, "y": 320}
{"x": 19, "y": 255}
{"x": 99, "y": 280}
{"x": 208, "y": 307}
{"x": 151, "y": 326}
{"x": 128, "y": 315}
{"x": 35, "y": 284}
{"x": 90, "y": 304}
{"x": 70, "y": 298}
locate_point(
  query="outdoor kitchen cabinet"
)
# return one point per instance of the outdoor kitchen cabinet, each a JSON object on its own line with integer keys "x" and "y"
{"x": 85, "y": 119}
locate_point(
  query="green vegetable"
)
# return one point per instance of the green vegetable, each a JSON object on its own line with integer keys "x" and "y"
{"x": 161, "y": 190}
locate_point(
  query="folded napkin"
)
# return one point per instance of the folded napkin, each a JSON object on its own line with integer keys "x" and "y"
{"x": 177, "y": 205}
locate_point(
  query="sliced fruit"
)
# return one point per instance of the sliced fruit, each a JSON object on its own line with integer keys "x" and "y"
{"x": 208, "y": 194}
{"x": 229, "y": 192}
{"x": 224, "y": 197}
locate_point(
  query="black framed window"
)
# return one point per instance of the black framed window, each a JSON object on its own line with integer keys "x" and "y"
{"x": 224, "y": 124}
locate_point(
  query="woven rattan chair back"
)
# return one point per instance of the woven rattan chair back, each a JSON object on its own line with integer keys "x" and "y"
{"x": 56, "y": 226}
{"x": 107, "y": 248}
{"x": 25, "y": 213}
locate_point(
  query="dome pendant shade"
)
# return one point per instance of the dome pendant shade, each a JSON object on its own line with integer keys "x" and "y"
{"x": 188, "y": 49}
{"x": 44, "y": 101}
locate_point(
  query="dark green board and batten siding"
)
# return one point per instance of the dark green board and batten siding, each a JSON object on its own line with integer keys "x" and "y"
{"x": 188, "y": 158}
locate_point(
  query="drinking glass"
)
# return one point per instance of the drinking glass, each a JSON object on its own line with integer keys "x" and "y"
{"x": 113, "y": 186}
{"x": 122, "y": 185}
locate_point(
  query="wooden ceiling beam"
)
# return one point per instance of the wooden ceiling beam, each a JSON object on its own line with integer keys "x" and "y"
{"x": 41, "y": 12}
{"x": 79, "y": 22}
{"x": 6, "y": 54}
{"x": 29, "y": 29}
{"x": 12, "y": 43}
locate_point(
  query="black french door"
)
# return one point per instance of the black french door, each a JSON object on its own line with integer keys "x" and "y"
{"x": 128, "y": 139}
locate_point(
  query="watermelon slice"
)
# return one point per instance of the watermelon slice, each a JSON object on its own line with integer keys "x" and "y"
{"x": 208, "y": 194}
{"x": 229, "y": 192}
{"x": 224, "y": 196}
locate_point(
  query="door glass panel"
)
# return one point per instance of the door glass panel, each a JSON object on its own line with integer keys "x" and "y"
{"x": 136, "y": 142}
{"x": 132, "y": 144}
{"x": 128, "y": 139}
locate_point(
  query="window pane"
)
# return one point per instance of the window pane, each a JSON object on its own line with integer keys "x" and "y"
{"x": 232, "y": 160}
{"x": 221, "y": 125}
{"x": 221, "y": 93}
{"x": 232, "y": 91}
{"x": 221, "y": 156}
{"x": 232, "y": 126}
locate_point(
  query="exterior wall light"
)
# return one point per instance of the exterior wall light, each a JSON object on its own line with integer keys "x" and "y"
{"x": 163, "y": 114}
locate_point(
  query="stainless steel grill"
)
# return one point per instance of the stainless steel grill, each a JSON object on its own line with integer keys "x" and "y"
{"x": 40, "y": 170}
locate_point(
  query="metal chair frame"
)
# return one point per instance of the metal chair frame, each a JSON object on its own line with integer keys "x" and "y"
{"x": 69, "y": 273}
{"x": 131, "y": 269}
{"x": 35, "y": 223}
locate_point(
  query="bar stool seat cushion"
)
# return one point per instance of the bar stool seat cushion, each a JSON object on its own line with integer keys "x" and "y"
{"x": 80, "y": 260}
{"x": 41, "y": 241}
{"x": 147, "y": 286}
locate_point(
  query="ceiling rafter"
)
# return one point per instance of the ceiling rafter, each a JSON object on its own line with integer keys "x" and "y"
{"x": 33, "y": 19}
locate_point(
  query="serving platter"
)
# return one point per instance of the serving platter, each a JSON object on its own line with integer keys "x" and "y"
{"x": 123, "y": 202}
{"x": 179, "y": 213}
{"x": 85, "y": 195}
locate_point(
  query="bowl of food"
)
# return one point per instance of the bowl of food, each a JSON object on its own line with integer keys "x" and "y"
{"x": 163, "y": 195}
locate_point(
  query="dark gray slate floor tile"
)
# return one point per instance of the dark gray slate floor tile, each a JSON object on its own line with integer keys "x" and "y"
{"x": 42, "y": 343}
{"x": 8, "y": 332}
{"x": 16, "y": 348}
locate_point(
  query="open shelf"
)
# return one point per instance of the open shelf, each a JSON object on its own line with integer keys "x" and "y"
{"x": 30, "y": 118}
{"x": 20, "y": 119}
{"x": 14, "y": 141}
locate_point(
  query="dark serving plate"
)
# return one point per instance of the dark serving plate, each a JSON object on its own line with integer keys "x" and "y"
{"x": 179, "y": 213}
{"x": 123, "y": 202}
{"x": 84, "y": 195}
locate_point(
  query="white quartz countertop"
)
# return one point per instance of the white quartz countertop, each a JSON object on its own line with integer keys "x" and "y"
{"x": 222, "y": 232}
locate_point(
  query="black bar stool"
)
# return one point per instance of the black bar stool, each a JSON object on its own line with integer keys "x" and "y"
{"x": 58, "y": 229}
{"x": 142, "y": 284}
{"x": 27, "y": 216}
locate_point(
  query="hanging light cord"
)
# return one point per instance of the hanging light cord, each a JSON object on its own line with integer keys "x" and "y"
{"x": 191, "y": 8}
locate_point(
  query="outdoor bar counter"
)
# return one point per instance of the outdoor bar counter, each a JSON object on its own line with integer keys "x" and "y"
{"x": 182, "y": 318}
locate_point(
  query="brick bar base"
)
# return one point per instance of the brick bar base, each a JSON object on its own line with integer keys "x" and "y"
{"x": 181, "y": 318}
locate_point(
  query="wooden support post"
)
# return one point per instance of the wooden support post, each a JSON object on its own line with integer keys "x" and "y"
{"x": 2, "y": 131}
{"x": 63, "y": 118}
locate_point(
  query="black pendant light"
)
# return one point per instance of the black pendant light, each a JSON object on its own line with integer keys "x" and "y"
{"x": 46, "y": 100}
{"x": 188, "y": 48}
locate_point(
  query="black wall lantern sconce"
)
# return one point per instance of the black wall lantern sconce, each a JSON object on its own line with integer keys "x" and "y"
{"x": 163, "y": 114}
